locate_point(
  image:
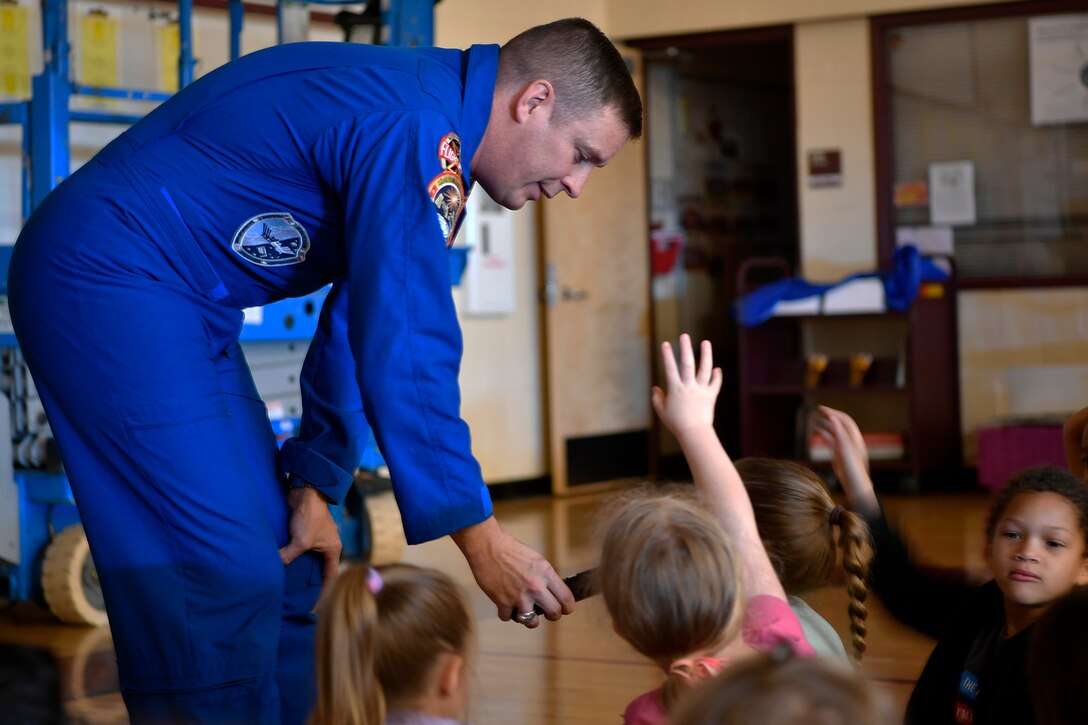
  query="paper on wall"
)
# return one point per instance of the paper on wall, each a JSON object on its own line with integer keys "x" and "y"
{"x": 929, "y": 240}
{"x": 952, "y": 192}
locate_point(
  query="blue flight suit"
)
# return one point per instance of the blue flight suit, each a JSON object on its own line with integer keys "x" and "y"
{"x": 289, "y": 169}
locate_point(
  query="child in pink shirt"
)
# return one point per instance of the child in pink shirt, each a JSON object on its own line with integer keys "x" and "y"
{"x": 684, "y": 573}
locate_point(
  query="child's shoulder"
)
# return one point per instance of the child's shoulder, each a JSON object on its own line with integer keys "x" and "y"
{"x": 987, "y": 599}
{"x": 646, "y": 709}
{"x": 769, "y": 622}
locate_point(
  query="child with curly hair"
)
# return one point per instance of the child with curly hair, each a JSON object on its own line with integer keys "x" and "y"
{"x": 1036, "y": 537}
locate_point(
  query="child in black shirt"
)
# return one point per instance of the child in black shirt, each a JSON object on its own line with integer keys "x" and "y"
{"x": 1036, "y": 548}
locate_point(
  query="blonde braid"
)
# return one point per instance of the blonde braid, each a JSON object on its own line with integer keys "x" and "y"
{"x": 857, "y": 553}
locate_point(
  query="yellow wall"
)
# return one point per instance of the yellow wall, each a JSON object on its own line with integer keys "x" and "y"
{"x": 837, "y": 224}
{"x": 460, "y": 23}
{"x": 648, "y": 18}
{"x": 501, "y": 377}
{"x": 1022, "y": 352}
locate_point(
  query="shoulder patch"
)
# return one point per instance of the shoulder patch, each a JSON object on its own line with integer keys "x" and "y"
{"x": 271, "y": 240}
{"x": 447, "y": 192}
{"x": 449, "y": 153}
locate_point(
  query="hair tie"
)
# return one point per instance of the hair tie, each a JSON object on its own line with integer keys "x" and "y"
{"x": 698, "y": 668}
{"x": 373, "y": 580}
{"x": 835, "y": 514}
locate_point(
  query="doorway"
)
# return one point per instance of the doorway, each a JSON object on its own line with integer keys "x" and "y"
{"x": 721, "y": 161}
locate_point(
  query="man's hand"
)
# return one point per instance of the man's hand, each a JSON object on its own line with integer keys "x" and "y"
{"x": 511, "y": 574}
{"x": 312, "y": 528}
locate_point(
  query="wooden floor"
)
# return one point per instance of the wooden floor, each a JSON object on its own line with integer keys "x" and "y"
{"x": 576, "y": 670}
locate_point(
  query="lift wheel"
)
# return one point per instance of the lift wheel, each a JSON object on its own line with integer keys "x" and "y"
{"x": 70, "y": 580}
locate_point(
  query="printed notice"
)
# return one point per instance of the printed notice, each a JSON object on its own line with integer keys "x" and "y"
{"x": 952, "y": 192}
{"x": 1059, "y": 69}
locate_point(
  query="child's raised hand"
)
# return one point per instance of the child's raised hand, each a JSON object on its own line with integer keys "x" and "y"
{"x": 850, "y": 457}
{"x": 1075, "y": 437}
{"x": 690, "y": 391}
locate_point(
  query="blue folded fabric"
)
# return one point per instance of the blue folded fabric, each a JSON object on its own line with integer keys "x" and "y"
{"x": 901, "y": 283}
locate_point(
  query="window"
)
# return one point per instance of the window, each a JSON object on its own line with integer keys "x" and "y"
{"x": 956, "y": 87}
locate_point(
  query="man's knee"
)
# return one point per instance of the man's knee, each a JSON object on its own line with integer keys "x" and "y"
{"x": 199, "y": 627}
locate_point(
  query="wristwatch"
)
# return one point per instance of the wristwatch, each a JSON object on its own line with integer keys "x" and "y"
{"x": 294, "y": 481}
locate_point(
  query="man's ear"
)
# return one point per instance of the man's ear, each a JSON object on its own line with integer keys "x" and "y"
{"x": 536, "y": 101}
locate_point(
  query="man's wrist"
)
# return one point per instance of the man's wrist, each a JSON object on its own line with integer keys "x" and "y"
{"x": 294, "y": 483}
{"x": 472, "y": 539}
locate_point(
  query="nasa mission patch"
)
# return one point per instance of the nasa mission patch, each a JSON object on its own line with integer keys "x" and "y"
{"x": 448, "y": 195}
{"x": 271, "y": 240}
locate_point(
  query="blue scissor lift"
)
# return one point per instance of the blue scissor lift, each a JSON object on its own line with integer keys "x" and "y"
{"x": 43, "y": 552}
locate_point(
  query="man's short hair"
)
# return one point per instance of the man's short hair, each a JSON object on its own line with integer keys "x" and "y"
{"x": 585, "y": 68}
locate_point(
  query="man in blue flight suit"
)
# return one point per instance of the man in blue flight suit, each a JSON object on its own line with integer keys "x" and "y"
{"x": 286, "y": 170}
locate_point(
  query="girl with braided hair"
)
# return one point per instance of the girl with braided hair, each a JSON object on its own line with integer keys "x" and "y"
{"x": 803, "y": 530}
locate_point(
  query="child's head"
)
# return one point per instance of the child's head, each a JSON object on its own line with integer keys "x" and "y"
{"x": 391, "y": 639}
{"x": 797, "y": 521}
{"x": 669, "y": 578}
{"x": 29, "y": 686}
{"x": 1036, "y": 536}
{"x": 790, "y": 691}
{"x": 1056, "y": 666}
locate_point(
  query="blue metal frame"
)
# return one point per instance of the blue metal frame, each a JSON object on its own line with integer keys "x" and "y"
{"x": 405, "y": 24}
{"x": 46, "y": 506}
{"x": 46, "y": 137}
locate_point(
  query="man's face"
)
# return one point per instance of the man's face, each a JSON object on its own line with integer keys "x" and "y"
{"x": 538, "y": 158}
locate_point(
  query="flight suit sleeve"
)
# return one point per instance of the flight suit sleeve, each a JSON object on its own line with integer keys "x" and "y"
{"x": 328, "y": 446}
{"x": 403, "y": 194}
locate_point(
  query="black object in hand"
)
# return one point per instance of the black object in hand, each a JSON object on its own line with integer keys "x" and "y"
{"x": 581, "y": 585}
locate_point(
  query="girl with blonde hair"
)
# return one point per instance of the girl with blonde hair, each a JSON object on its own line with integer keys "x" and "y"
{"x": 392, "y": 647}
{"x": 683, "y": 575}
{"x": 786, "y": 691}
{"x": 803, "y": 530}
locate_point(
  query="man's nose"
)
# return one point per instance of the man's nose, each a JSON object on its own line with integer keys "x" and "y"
{"x": 574, "y": 182}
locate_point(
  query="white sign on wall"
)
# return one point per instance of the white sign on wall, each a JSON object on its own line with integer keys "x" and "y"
{"x": 489, "y": 275}
{"x": 952, "y": 192}
{"x": 1059, "y": 68}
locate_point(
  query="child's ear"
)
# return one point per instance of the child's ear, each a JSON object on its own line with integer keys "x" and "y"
{"x": 451, "y": 668}
{"x": 1082, "y": 575}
